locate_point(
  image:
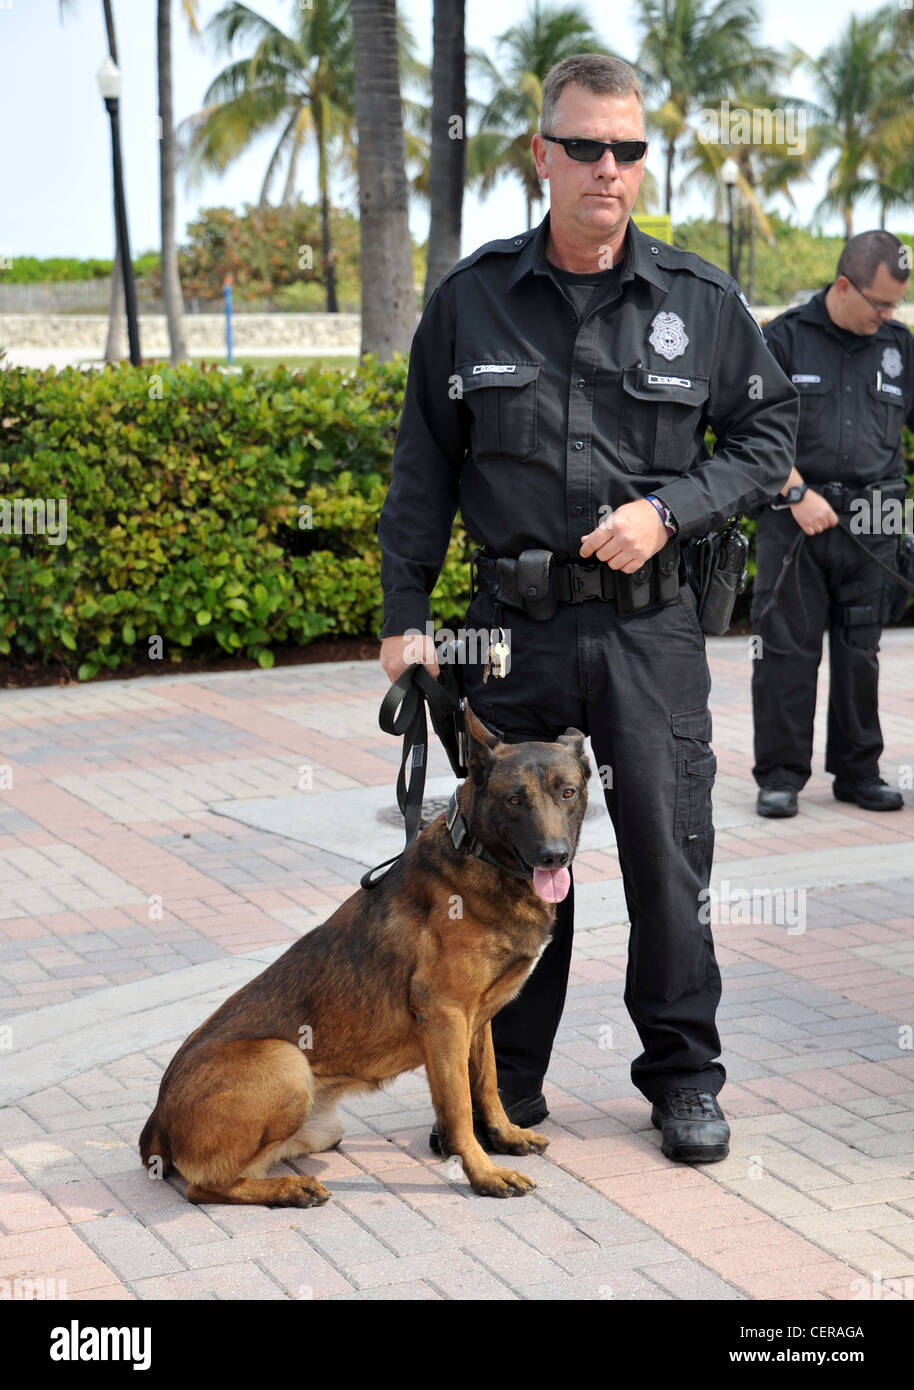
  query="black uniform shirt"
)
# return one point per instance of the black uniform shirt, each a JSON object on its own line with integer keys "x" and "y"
{"x": 532, "y": 419}
{"x": 856, "y": 392}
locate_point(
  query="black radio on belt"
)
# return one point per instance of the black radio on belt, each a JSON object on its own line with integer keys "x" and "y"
{"x": 716, "y": 569}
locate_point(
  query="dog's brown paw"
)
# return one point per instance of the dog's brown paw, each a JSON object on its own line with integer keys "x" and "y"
{"x": 299, "y": 1192}
{"x": 513, "y": 1140}
{"x": 503, "y": 1182}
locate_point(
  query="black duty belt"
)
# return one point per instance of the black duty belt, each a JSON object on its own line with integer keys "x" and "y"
{"x": 536, "y": 582}
{"x": 841, "y": 496}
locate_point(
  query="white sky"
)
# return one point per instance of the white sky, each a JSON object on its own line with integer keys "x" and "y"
{"x": 54, "y": 137}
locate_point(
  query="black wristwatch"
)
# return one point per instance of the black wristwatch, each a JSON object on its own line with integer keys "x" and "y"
{"x": 791, "y": 497}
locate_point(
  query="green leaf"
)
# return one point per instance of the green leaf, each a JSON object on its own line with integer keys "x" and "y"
{"x": 204, "y": 616}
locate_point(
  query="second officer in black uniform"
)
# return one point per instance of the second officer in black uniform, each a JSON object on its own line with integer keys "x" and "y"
{"x": 558, "y": 380}
{"x": 854, "y": 368}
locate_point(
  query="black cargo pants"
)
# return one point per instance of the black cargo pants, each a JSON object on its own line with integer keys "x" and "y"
{"x": 638, "y": 685}
{"x": 831, "y": 584}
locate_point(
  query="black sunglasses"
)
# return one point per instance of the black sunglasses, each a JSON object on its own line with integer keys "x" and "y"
{"x": 589, "y": 151}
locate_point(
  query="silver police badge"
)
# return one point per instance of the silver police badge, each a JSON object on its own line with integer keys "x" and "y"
{"x": 891, "y": 362}
{"x": 668, "y": 335}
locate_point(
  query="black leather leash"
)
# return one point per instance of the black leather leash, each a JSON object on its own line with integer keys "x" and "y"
{"x": 899, "y": 578}
{"x": 402, "y": 714}
{"x": 409, "y": 695}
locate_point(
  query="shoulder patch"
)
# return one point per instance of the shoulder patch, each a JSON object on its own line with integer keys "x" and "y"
{"x": 503, "y": 246}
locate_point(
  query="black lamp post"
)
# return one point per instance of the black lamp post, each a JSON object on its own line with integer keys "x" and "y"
{"x": 109, "y": 84}
{"x": 729, "y": 172}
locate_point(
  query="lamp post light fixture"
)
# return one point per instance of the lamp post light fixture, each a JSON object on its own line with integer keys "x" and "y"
{"x": 729, "y": 172}
{"x": 109, "y": 84}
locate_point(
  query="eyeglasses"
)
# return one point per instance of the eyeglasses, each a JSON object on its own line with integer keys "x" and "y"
{"x": 589, "y": 151}
{"x": 880, "y": 305}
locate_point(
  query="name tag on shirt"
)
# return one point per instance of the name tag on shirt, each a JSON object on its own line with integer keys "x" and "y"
{"x": 892, "y": 390}
{"x": 805, "y": 379}
{"x": 494, "y": 367}
{"x": 654, "y": 380}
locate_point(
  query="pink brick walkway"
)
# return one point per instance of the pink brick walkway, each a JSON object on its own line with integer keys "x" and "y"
{"x": 115, "y": 872}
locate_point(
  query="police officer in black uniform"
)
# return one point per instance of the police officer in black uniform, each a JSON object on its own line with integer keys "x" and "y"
{"x": 854, "y": 369}
{"x": 560, "y": 384}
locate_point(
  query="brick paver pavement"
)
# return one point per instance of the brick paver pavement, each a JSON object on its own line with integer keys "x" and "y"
{"x": 129, "y": 907}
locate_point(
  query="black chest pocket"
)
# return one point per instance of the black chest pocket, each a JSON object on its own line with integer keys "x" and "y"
{"x": 661, "y": 420}
{"x": 503, "y": 405}
{"x": 888, "y": 411}
{"x": 817, "y": 413}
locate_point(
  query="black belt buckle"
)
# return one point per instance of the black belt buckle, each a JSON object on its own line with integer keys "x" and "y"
{"x": 586, "y": 582}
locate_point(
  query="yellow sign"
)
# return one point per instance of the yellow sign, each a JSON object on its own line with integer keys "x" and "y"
{"x": 660, "y": 226}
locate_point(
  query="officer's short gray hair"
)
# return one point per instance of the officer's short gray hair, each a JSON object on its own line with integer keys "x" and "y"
{"x": 867, "y": 251}
{"x": 597, "y": 73}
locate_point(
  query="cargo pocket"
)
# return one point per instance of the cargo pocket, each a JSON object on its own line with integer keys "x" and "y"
{"x": 695, "y": 769}
{"x": 662, "y": 420}
{"x": 502, "y": 403}
{"x": 889, "y": 410}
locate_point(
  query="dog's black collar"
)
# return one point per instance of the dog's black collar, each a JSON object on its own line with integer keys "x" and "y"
{"x": 461, "y": 839}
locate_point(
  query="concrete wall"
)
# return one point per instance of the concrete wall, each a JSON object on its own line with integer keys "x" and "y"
{"x": 204, "y": 332}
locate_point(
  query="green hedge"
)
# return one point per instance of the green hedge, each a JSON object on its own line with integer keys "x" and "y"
{"x": 188, "y": 511}
{"x": 29, "y": 270}
{"x": 216, "y": 512}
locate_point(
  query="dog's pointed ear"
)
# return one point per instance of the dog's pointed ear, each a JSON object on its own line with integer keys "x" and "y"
{"x": 575, "y": 740}
{"x": 481, "y": 746}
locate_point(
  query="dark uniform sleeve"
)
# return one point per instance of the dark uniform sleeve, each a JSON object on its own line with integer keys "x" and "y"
{"x": 418, "y": 513}
{"x": 754, "y": 411}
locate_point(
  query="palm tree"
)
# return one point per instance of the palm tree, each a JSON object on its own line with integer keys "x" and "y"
{"x": 694, "y": 52}
{"x": 300, "y": 83}
{"x": 864, "y": 113}
{"x": 898, "y": 177}
{"x": 768, "y": 162}
{"x": 171, "y": 281}
{"x": 447, "y": 162}
{"x": 510, "y": 118}
{"x": 388, "y": 294}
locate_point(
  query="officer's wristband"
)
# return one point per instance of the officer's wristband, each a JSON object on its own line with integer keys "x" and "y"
{"x": 666, "y": 516}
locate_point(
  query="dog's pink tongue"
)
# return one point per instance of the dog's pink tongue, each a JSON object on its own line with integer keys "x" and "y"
{"x": 552, "y": 884}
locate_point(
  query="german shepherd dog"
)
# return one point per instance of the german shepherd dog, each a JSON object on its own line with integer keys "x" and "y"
{"x": 408, "y": 972}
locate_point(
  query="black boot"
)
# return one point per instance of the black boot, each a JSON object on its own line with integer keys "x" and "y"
{"x": 693, "y": 1126}
{"x": 875, "y": 795}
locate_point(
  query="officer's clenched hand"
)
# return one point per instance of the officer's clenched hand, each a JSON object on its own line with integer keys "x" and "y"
{"x": 399, "y": 652}
{"x": 632, "y": 534}
{"x": 813, "y": 514}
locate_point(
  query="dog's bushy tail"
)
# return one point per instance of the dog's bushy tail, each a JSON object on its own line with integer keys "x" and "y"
{"x": 155, "y": 1150}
